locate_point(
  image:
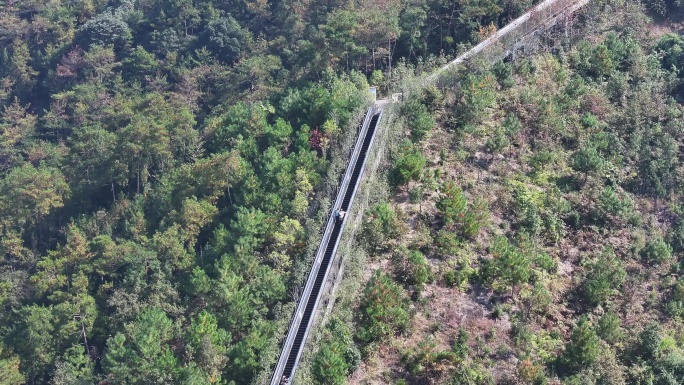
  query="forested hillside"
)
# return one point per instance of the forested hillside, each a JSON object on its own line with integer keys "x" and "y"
{"x": 159, "y": 161}
{"x": 532, "y": 231}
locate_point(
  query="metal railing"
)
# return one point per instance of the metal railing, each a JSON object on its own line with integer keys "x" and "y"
{"x": 541, "y": 15}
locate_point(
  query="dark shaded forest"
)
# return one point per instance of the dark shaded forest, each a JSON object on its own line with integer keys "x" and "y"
{"x": 158, "y": 159}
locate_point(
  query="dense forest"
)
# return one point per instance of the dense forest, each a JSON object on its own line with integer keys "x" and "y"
{"x": 532, "y": 228}
{"x": 160, "y": 163}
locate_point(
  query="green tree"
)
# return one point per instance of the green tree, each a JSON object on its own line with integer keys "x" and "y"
{"x": 412, "y": 21}
{"x": 676, "y": 236}
{"x": 17, "y": 130}
{"x": 21, "y": 70}
{"x": 194, "y": 216}
{"x": 304, "y": 188}
{"x": 209, "y": 179}
{"x": 418, "y": 119}
{"x": 101, "y": 65}
{"x": 260, "y": 76}
{"x": 140, "y": 64}
{"x": 477, "y": 95}
{"x": 452, "y": 204}
{"x": 75, "y": 368}
{"x": 504, "y": 74}
{"x": 605, "y": 274}
{"x": 511, "y": 125}
{"x": 55, "y": 269}
{"x": 32, "y": 338}
{"x": 587, "y": 160}
{"x": 142, "y": 355}
{"x": 497, "y": 142}
{"x": 376, "y": 78}
{"x": 656, "y": 250}
{"x": 446, "y": 243}
{"x": 93, "y": 161}
{"x": 380, "y": 226}
{"x": 427, "y": 361}
{"x": 340, "y": 36}
{"x": 671, "y": 49}
{"x": 657, "y": 157}
{"x": 9, "y": 369}
{"x": 408, "y": 166}
{"x": 248, "y": 229}
{"x": 608, "y": 327}
{"x": 240, "y": 121}
{"x": 463, "y": 218}
{"x": 602, "y": 63}
{"x": 411, "y": 267}
{"x": 30, "y": 194}
{"x": 279, "y": 133}
{"x": 384, "y": 309}
{"x": 648, "y": 342}
{"x": 208, "y": 345}
{"x": 225, "y": 38}
{"x": 675, "y": 306}
{"x": 107, "y": 28}
{"x": 509, "y": 266}
{"x": 329, "y": 365}
{"x": 284, "y": 242}
{"x": 614, "y": 205}
{"x": 583, "y": 349}
{"x": 151, "y": 141}
{"x": 245, "y": 356}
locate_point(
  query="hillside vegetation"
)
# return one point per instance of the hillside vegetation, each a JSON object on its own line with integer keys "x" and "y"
{"x": 533, "y": 232}
{"x": 165, "y": 166}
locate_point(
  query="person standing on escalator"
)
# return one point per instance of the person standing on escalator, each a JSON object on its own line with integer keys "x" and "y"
{"x": 339, "y": 215}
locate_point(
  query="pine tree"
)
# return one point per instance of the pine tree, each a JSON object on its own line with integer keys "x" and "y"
{"x": 384, "y": 308}
{"x": 584, "y": 347}
{"x": 329, "y": 366}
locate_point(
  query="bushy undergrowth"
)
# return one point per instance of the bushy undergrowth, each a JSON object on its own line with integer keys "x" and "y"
{"x": 542, "y": 210}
